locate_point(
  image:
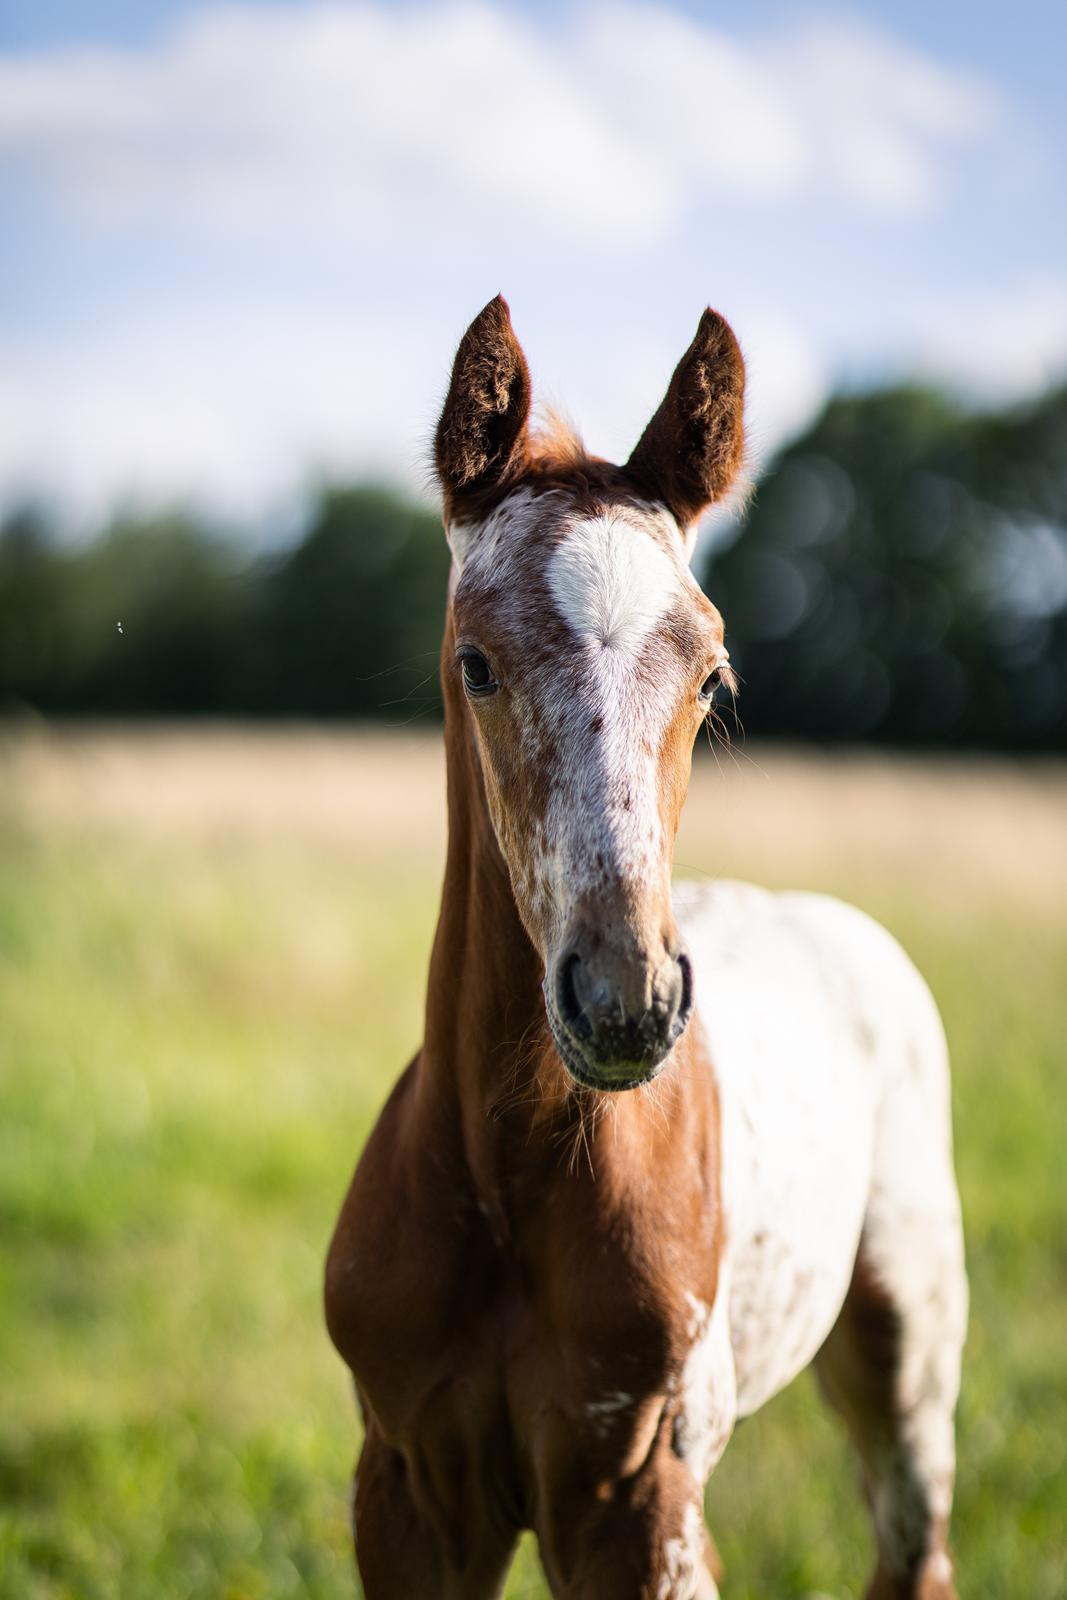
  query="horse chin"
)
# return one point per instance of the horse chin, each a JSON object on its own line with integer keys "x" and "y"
{"x": 610, "y": 1077}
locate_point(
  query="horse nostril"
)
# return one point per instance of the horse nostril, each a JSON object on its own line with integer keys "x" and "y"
{"x": 685, "y": 1004}
{"x": 680, "y": 1002}
{"x": 619, "y": 1011}
{"x": 567, "y": 1002}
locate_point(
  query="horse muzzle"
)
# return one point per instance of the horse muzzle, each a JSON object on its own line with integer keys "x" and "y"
{"x": 615, "y": 1021}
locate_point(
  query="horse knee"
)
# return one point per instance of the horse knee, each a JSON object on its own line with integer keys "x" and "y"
{"x": 409, "y": 1544}
{"x": 891, "y": 1367}
{"x": 645, "y": 1540}
{"x": 396, "y": 1551}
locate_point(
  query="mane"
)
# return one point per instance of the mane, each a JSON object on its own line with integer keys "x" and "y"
{"x": 554, "y": 457}
{"x": 557, "y": 459}
{"x": 555, "y": 445}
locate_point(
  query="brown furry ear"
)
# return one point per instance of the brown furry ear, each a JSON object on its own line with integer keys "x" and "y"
{"x": 480, "y": 443}
{"x": 691, "y": 451}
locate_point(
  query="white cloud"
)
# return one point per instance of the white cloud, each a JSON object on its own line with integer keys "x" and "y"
{"x": 363, "y": 136}
{"x": 361, "y": 121}
{"x": 1000, "y": 344}
{"x": 233, "y": 406}
{"x": 884, "y": 118}
{"x": 822, "y": 107}
{"x": 354, "y": 119}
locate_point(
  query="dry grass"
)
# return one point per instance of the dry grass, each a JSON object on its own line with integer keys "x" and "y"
{"x": 976, "y": 831}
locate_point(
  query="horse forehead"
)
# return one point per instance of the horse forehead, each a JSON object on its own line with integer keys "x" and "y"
{"x": 595, "y": 599}
{"x": 614, "y": 575}
{"x": 589, "y": 567}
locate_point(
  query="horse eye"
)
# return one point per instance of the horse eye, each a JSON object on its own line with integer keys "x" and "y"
{"x": 710, "y": 684}
{"x": 477, "y": 674}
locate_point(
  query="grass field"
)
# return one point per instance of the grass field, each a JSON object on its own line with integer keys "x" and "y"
{"x": 212, "y": 956}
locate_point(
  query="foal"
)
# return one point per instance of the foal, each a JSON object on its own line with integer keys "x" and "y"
{"x": 557, "y": 1289}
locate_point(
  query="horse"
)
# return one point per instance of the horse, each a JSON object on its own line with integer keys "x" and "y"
{"x": 660, "y": 1150}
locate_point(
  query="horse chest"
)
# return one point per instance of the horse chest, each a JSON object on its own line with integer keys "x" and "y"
{"x": 538, "y": 1407}
{"x": 524, "y": 1360}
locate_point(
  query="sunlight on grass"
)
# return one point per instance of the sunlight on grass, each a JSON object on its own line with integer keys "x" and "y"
{"x": 199, "y": 1023}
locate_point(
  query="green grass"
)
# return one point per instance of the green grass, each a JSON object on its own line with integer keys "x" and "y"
{"x": 196, "y": 1030}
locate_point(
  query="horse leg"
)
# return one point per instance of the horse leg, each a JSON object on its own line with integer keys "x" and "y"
{"x": 891, "y": 1368}
{"x": 401, "y": 1552}
{"x": 640, "y": 1538}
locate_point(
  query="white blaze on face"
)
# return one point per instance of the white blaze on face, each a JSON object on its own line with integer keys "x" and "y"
{"x": 613, "y": 582}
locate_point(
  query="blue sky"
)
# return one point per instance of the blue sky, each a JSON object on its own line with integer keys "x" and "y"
{"x": 243, "y": 240}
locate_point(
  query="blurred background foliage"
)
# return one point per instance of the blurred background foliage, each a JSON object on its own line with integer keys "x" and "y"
{"x": 900, "y": 575}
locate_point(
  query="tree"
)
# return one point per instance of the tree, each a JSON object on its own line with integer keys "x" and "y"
{"x": 902, "y": 575}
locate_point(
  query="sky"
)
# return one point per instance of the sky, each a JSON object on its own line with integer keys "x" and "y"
{"x": 241, "y": 241}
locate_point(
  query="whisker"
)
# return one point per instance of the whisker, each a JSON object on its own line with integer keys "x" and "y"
{"x": 383, "y": 705}
{"x": 397, "y": 666}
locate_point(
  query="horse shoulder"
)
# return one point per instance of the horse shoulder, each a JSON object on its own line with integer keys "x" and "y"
{"x": 407, "y": 1262}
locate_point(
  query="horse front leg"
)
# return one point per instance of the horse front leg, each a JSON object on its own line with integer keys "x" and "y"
{"x": 637, "y": 1538}
{"x": 404, "y": 1550}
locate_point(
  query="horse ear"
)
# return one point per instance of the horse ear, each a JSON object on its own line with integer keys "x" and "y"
{"x": 480, "y": 444}
{"x": 691, "y": 451}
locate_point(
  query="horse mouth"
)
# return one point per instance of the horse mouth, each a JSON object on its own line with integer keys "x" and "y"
{"x": 610, "y": 1075}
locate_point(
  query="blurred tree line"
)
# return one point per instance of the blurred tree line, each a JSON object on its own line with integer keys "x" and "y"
{"x": 900, "y": 575}
{"x": 166, "y": 616}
